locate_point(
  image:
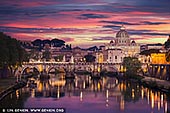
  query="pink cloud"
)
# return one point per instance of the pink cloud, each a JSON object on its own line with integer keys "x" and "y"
{"x": 66, "y": 39}
{"x": 29, "y": 3}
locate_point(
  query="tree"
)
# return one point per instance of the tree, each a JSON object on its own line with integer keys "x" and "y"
{"x": 47, "y": 55}
{"x": 37, "y": 42}
{"x": 34, "y": 54}
{"x": 90, "y": 58}
{"x": 167, "y": 43}
{"x": 168, "y": 56}
{"x": 57, "y": 42}
{"x": 11, "y": 54}
{"x": 44, "y": 42}
{"x": 58, "y": 58}
{"x": 148, "y": 52}
{"x": 94, "y": 48}
{"x": 132, "y": 65}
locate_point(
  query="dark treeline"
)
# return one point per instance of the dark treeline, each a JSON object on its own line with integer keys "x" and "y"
{"x": 11, "y": 55}
{"x": 39, "y": 44}
{"x": 167, "y": 43}
{"x": 53, "y": 42}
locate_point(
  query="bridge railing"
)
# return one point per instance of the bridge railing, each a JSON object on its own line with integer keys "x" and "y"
{"x": 77, "y": 63}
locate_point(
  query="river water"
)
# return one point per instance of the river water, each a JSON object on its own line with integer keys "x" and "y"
{"x": 87, "y": 95}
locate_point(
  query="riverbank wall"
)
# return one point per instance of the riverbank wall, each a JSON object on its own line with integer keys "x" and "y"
{"x": 12, "y": 88}
{"x": 157, "y": 84}
{"x": 150, "y": 82}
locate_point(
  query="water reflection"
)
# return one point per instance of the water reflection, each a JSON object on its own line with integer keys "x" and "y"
{"x": 83, "y": 92}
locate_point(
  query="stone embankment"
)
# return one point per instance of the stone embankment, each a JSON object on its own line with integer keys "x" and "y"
{"x": 150, "y": 82}
{"x": 156, "y": 83}
{"x": 12, "y": 88}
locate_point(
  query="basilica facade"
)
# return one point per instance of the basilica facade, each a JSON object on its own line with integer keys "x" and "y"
{"x": 121, "y": 46}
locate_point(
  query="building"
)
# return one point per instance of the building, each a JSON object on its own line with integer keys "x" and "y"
{"x": 159, "y": 58}
{"x": 79, "y": 54}
{"x": 151, "y": 46}
{"x": 115, "y": 55}
{"x": 122, "y": 37}
{"x": 99, "y": 57}
{"x": 120, "y": 47}
{"x": 124, "y": 42}
{"x": 145, "y": 59}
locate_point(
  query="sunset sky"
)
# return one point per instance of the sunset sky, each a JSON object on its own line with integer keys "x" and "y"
{"x": 86, "y": 22}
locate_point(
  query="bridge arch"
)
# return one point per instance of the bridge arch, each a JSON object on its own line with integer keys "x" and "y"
{"x": 60, "y": 68}
{"x": 112, "y": 68}
{"x": 30, "y": 67}
{"x": 83, "y": 67}
{"x": 67, "y": 67}
{"x": 109, "y": 68}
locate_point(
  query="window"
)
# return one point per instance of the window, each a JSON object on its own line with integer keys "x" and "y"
{"x": 115, "y": 57}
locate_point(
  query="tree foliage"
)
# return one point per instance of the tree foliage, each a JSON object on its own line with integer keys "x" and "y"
{"x": 10, "y": 50}
{"x": 57, "y": 42}
{"x": 11, "y": 53}
{"x": 58, "y": 58}
{"x": 54, "y": 42}
{"x": 167, "y": 43}
{"x": 34, "y": 54}
{"x": 47, "y": 55}
{"x": 94, "y": 48}
{"x": 90, "y": 58}
{"x": 132, "y": 65}
{"x": 168, "y": 56}
{"x": 148, "y": 52}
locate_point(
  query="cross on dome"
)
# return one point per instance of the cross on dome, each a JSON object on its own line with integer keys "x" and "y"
{"x": 122, "y": 27}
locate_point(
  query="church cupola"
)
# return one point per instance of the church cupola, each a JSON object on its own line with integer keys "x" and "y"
{"x": 122, "y": 37}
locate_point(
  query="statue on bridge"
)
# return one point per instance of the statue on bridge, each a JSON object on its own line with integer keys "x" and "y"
{"x": 64, "y": 58}
{"x": 72, "y": 59}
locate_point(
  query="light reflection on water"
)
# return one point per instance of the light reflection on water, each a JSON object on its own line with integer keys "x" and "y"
{"x": 84, "y": 94}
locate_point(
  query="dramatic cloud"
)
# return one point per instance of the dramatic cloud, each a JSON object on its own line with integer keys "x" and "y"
{"x": 119, "y": 23}
{"x": 152, "y": 23}
{"x": 40, "y": 30}
{"x": 92, "y": 16}
{"x": 140, "y": 23}
{"x": 114, "y": 27}
{"x": 92, "y": 20}
{"x": 103, "y": 38}
{"x": 66, "y": 39}
{"x": 148, "y": 33}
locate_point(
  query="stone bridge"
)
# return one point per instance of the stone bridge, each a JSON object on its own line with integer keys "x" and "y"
{"x": 69, "y": 67}
{"x": 161, "y": 71}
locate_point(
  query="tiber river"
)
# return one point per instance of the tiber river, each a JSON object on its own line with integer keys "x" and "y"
{"x": 86, "y": 95}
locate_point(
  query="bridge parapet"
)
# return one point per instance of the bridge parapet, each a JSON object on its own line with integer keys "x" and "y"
{"x": 69, "y": 63}
{"x": 87, "y": 66}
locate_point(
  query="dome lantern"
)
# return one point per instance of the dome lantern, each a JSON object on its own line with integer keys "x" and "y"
{"x": 122, "y": 27}
{"x": 122, "y": 37}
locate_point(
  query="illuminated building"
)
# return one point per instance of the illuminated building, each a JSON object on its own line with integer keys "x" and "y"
{"x": 120, "y": 47}
{"x": 151, "y": 46}
{"x": 115, "y": 55}
{"x": 123, "y": 42}
{"x": 145, "y": 59}
{"x": 122, "y": 37}
{"x": 79, "y": 54}
{"x": 99, "y": 57}
{"x": 159, "y": 58}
